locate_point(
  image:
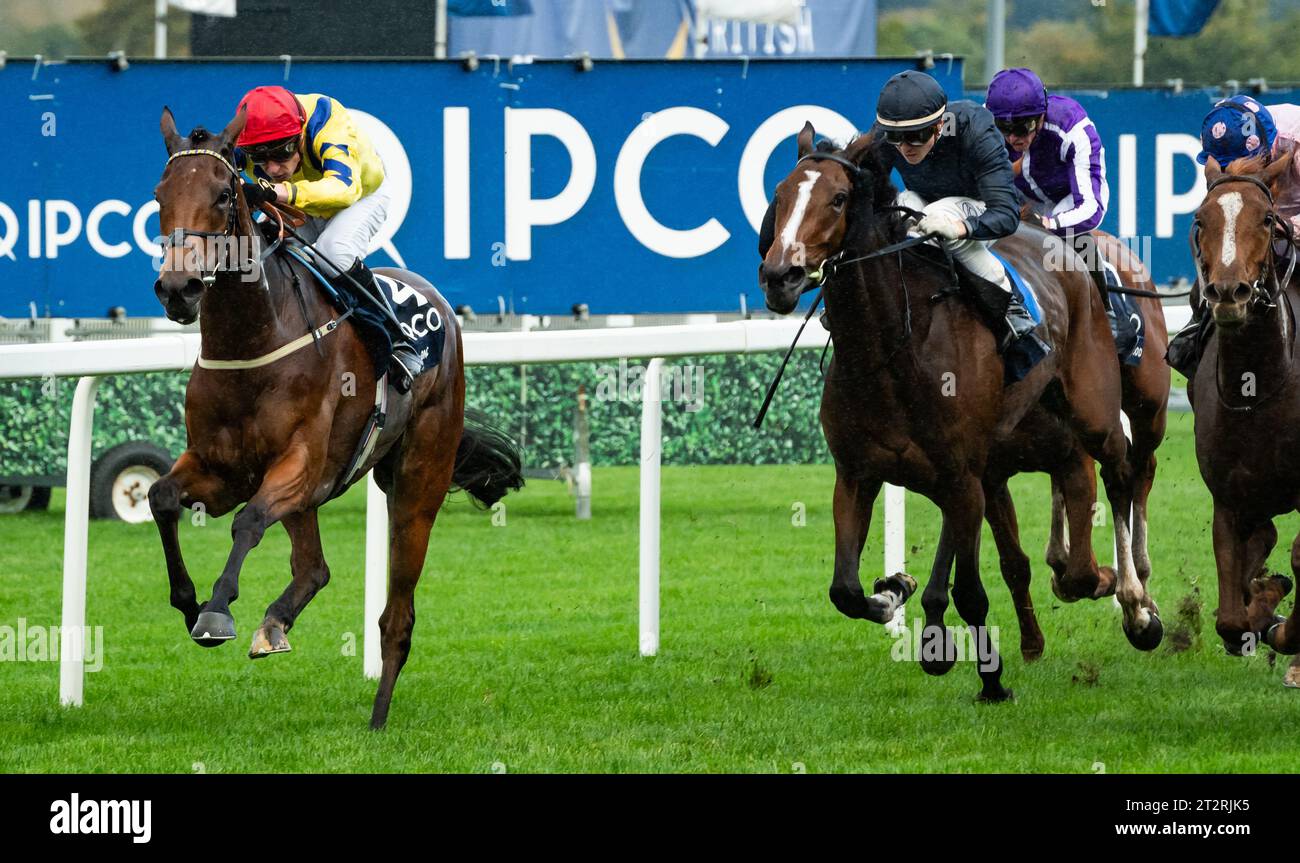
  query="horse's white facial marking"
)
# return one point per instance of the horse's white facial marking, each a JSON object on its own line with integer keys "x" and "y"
{"x": 791, "y": 232}
{"x": 1231, "y": 204}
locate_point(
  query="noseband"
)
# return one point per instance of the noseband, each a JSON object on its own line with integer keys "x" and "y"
{"x": 1260, "y": 293}
{"x": 179, "y": 235}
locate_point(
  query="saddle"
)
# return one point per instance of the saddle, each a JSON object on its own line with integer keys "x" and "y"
{"x": 990, "y": 302}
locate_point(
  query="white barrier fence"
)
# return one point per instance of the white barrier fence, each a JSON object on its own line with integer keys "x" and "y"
{"x": 89, "y": 360}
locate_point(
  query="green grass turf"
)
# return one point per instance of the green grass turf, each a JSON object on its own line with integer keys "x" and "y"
{"x": 525, "y": 658}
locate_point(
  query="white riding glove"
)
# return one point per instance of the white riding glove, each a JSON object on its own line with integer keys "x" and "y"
{"x": 943, "y": 226}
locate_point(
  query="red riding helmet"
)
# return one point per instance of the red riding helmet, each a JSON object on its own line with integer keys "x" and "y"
{"x": 273, "y": 115}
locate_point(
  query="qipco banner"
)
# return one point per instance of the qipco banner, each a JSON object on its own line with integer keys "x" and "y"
{"x": 632, "y": 187}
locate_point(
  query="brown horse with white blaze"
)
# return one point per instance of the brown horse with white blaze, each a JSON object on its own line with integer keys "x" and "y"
{"x": 915, "y": 392}
{"x": 275, "y": 427}
{"x": 1246, "y": 394}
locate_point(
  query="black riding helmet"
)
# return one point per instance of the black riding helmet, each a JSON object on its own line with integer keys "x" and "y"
{"x": 909, "y": 102}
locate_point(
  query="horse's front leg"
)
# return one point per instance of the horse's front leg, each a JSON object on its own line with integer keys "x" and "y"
{"x": 285, "y": 488}
{"x": 310, "y": 574}
{"x": 854, "y": 498}
{"x": 185, "y": 485}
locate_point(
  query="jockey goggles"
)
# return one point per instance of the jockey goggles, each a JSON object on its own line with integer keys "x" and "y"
{"x": 272, "y": 151}
{"x": 1019, "y": 126}
{"x": 911, "y": 137}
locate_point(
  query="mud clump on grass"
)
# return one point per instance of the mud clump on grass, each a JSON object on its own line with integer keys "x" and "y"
{"x": 1088, "y": 675}
{"x": 757, "y": 676}
{"x": 1185, "y": 634}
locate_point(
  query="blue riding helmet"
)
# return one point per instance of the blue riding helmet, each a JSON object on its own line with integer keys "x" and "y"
{"x": 1237, "y": 127}
{"x": 1016, "y": 93}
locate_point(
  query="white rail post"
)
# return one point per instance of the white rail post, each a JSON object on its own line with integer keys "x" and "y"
{"x": 376, "y": 575}
{"x": 651, "y": 453}
{"x": 76, "y": 525}
{"x": 895, "y": 547}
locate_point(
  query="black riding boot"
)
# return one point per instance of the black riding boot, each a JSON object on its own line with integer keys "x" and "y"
{"x": 406, "y": 363}
{"x": 1012, "y": 325}
{"x": 1184, "y": 353}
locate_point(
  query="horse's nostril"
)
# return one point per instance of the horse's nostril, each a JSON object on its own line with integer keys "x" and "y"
{"x": 1241, "y": 293}
{"x": 794, "y": 276}
{"x": 1211, "y": 293}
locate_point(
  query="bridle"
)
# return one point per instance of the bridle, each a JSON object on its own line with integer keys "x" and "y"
{"x": 1266, "y": 289}
{"x": 179, "y": 235}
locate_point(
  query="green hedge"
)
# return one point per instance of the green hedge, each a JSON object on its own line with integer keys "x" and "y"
{"x": 726, "y": 390}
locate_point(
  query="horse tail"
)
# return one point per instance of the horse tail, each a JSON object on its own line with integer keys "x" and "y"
{"x": 488, "y": 464}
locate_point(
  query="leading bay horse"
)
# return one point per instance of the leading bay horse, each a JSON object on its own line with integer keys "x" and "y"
{"x": 915, "y": 394}
{"x": 277, "y": 427}
{"x": 1246, "y": 394}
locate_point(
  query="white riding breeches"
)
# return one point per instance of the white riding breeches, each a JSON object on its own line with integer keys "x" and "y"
{"x": 973, "y": 254}
{"x": 344, "y": 238}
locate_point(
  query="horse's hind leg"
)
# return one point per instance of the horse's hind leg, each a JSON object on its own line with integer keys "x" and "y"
{"x": 186, "y": 484}
{"x": 420, "y": 482}
{"x": 1058, "y": 541}
{"x": 310, "y": 574}
{"x": 1080, "y": 577}
{"x": 1000, "y": 512}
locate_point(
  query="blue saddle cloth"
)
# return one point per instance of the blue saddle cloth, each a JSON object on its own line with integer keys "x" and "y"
{"x": 1021, "y": 288}
{"x": 1127, "y": 324}
{"x": 421, "y": 324}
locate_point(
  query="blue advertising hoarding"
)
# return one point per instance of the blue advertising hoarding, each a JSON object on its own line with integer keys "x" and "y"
{"x": 635, "y": 187}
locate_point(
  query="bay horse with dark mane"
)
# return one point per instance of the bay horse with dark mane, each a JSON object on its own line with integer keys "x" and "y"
{"x": 1043, "y": 442}
{"x": 915, "y": 393}
{"x": 276, "y": 426}
{"x": 1246, "y": 394}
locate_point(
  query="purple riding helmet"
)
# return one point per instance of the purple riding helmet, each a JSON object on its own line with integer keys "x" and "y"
{"x": 1016, "y": 93}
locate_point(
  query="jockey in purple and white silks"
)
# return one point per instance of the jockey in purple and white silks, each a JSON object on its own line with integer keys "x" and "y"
{"x": 1058, "y": 158}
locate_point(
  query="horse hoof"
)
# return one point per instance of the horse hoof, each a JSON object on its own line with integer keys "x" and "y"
{"x": 996, "y": 696}
{"x": 1292, "y": 678}
{"x": 1149, "y": 638}
{"x": 268, "y": 640}
{"x": 213, "y": 629}
{"x": 1033, "y": 653}
{"x": 1059, "y": 593}
{"x": 937, "y": 666}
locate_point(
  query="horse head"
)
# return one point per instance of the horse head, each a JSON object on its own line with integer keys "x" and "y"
{"x": 1232, "y": 238}
{"x": 824, "y": 194}
{"x": 201, "y": 210}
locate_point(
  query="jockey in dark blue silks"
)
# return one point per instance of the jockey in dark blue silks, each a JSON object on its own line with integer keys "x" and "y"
{"x": 955, "y": 169}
